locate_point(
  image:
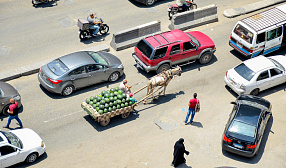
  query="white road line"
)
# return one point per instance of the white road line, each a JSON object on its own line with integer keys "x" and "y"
{"x": 63, "y": 116}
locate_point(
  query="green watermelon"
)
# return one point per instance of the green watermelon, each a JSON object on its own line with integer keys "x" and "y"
{"x": 105, "y": 110}
{"x": 119, "y": 102}
{"x": 110, "y": 104}
{"x": 100, "y": 95}
{"x": 100, "y": 111}
{"x": 128, "y": 99}
{"x": 111, "y": 94}
{"x": 97, "y": 104}
{"x": 97, "y": 109}
{"x": 126, "y": 104}
{"x": 109, "y": 109}
{"x": 103, "y": 92}
{"x": 106, "y": 100}
{"x": 124, "y": 95}
{"x": 122, "y": 105}
{"x": 102, "y": 102}
{"x": 130, "y": 103}
{"x": 91, "y": 102}
{"x": 95, "y": 97}
{"x": 112, "y": 90}
{"x": 115, "y": 98}
{"x": 118, "y": 106}
{"x": 91, "y": 98}
{"x": 113, "y": 108}
{"x": 94, "y": 106}
{"x": 116, "y": 88}
{"x": 94, "y": 101}
{"x": 107, "y": 95}
{"x": 116, "y": 93}
{"x": 87, "y": 100}
{"x": 106, "y": 105}
{"x": 111, "y": 99}
{"x": 119, "y": 97}
{"x": 99, "y": 98}
{"x": 123, "y": 100}
{"x": 101, "y": 107}
{"x": 115, "y": 102}
{"x": 120, "y": 92}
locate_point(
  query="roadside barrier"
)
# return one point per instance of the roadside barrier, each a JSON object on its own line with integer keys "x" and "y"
{"x": 129, "y": 37}
{"x": 194, "y": 18}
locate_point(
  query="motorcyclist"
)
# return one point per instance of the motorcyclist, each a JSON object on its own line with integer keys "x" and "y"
{"x": 93, "y": 23}
{"x": 183, "y": 4}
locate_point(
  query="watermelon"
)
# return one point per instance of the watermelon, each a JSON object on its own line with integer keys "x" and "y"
{"x": 109, "y": 109}
{"x": 97, "y": 104}
{"x": 130, "y": 103}
{"x": 115, "y": 98}
{"x": 118, "y": 106}
{"x": 113, "y": 108}
{"x": 99, "y": 98}
{"x": 97, "y": 109}
{"x": 106, "y": 105}
{"x": 122, "y": 105}
{"x": 124, "y": 95}
{"x": 119, "y": 97}
{"x": 106, "y": 100}
{"x": 91, "y": 98}
{"x": 87, "y": 100}
{"x": 105, "y": 110}
{"x": 111, "y": 99}
{"x": 112, "y": 90}
{"x": 103, "y": 92}
{"x": 128, "y": 99}
{"x": 126, "y": 104}
{"x": 107, "y": 95}
{"x": 123, "y": 100}
{"x": 91, "y": 102}
{"x": 120, "y": 91}
{"x": 111, "y": 94}
{"x": 116, "y": 93}
{"x": 95, "y": 97}
{"x": 115, "y": 103}
{"x": 119, "y": 102}
{"x": 94, "y": 101}
{"x": 110, "y": 104}
{"x": 102, "y": 102}
{"x": 100, "y": 111}
{"x": 100, "y": 95}
{"x": 101, "y": 107}
{"x": 116, "y": 88}
{"x": 94, "y": 106}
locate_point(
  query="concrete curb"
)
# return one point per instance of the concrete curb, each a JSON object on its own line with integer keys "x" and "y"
{"x": 230, "y": 13}
{"x": 34, "y": 68}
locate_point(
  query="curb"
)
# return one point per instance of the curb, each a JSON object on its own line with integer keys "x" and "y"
{"x": 34, "y": 68}
{"x": 230, "y": 13}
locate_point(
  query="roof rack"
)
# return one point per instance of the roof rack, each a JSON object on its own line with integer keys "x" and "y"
{"x": 165, "y": 39}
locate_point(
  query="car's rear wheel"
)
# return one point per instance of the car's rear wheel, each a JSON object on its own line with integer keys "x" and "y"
{"x": 162, "y": 68}
{"x": 5, "y": 110}
{"x": 254, "y": 92}
{"x": 32, "y": 158}
{"x": 68, "y": 90}
{"x": 113, "y": 77}
{"x": 150, "y": 2}
{"x": 206, "y": 57}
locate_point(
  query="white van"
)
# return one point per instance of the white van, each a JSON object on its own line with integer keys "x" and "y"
{"x": 261, "y": 33}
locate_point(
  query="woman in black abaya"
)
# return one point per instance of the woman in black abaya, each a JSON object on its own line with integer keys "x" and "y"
{"x": 179, "y": 150}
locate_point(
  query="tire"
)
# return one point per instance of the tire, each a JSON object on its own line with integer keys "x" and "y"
{"x": 194, "y": 6}
{"x": 82, "y": 35}
{"x": 125, "y": 115}
{"x": 113, "y": 77}
{"x": 103, "y": 29}
{"x": 162, "y": 68}
{"x": 105, "y": 122}
{"x": 4, "y": 110}
{"x": 31, "y": 158}
{"x": 206, "y": 57}
{"x": 254, "y": 92}
{"x": 150, "y": 2}
{"x": 68, "y": 90}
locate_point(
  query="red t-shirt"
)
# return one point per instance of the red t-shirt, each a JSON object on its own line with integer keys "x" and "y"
{"x": 13, "y": 106}
{"x": 193, "y": 103}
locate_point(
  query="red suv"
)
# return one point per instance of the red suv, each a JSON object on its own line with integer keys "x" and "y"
{"x": 162, "y": 51}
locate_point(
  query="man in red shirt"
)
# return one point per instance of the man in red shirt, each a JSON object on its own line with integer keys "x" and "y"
{"x": 192, "y": 105}
{"x": 13, "y": 113}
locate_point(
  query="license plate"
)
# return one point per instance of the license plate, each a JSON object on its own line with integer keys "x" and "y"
{"x": 237, "y": 145}
{"x": 239, "y": 44}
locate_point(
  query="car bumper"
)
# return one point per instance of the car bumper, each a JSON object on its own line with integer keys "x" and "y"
{"x": 239, "y": 49}
{"x": 235, "y": 89}
{"x": 232, "y": 149}
{"x": 141, "y": 65}
{"x": 49, "y": 87}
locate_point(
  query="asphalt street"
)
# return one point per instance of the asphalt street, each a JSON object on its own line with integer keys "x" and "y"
{"x": 74, "y": 139}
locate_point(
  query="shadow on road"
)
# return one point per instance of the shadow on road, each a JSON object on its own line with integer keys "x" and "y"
{"x": 158, "y": 2}
{"x": 161, "y": 99}
{"x": 97, "y": 38}
{"x": 23, "y": 165}
{"x": 183, "y": 165}
{"x": 260, "y": 152}
{"x": 197, "y": 124}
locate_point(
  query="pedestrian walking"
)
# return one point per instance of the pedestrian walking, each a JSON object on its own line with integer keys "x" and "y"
{"x": 179, "y": 151}
{"x": 194, "y": 106}
{"x": 13, "y": 113}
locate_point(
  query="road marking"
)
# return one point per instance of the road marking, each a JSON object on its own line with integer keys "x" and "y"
{"x": 63, "y": 116}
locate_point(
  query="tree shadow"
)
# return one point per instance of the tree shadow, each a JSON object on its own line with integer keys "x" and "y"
{"x": 142, "y": 5}
{"x": 97, "y": 38}
{"x": 46, "y": 5}
{"x": 23, "y": 164}
{"x": 260, "y": 152}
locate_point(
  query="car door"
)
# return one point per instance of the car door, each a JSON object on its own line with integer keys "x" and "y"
{"x": 159, "y": 56}
{"x": 273, "y": 40}
{"x": 79, "y": 77}
{"x": 277, "y": 76}
{"x": 96, "y": 73}
{"x": 190, "y": 51}
{"x": 175, "y": 54}
{"x": 263, "y": 81}
{"x": 9, "y": 155}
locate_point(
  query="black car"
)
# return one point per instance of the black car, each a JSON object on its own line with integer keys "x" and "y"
{"x": 245, "y": 128}
{"x": 147, "y": 2}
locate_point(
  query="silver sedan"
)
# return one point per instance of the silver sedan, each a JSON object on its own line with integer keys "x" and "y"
{"x": 76, "y": 70}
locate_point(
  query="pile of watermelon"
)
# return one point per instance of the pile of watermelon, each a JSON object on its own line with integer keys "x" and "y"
{"x": 109, "y": 100}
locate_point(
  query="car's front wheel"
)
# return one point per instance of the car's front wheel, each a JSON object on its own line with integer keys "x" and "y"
{"x": 113, "y": 77}
{"x": 5, "y": 110}
{"x": 68, "y": 90}
{"x": 206, "y": 57}
{"x": 254, "y": 92}
{"x": 32, "y": 158}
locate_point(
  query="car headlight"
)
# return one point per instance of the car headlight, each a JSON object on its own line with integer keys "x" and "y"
{"x": 43, "y": 144}
{"x": 242, "y": 86}
{"x": 120, "y": 66}
{"x": 17, "y": 97}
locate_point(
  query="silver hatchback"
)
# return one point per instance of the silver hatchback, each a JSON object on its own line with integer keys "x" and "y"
{"x": 76, "y": 70}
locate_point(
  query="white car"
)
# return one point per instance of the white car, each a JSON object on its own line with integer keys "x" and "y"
{"x": 256, "y": 74}
{"x": 20, "y": 145}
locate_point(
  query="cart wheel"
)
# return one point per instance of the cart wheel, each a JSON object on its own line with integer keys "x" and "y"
{"x": 125, "y": 115}
{"x": 105, "y": 122}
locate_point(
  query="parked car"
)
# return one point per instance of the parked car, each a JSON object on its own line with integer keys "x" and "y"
{"x": 20, "y": 145}
{"x": 256, "y": 74}
{"x": 6, "y": 93}
{"x": 245, "y": 128}
{"x": 76, "y": 70}
{"x": 162, "y": 51}
{"x": 147, "y": 2}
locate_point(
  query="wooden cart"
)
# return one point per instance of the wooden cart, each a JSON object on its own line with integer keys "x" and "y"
{"x": 104, "y": 118}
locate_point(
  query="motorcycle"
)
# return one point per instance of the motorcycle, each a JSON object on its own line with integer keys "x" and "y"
{"x": 85, "y": 32}
{"x": 174, "y": 8}
{"x": 36, "y": 2}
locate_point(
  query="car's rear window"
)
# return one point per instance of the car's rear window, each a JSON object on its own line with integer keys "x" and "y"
{"x": 58, "y": 67}
{"x": 242, "y": 128}
{"x": 144, "y": 48}
{"x": 244, "y": 71}
{"x": 243, "y": 33}
{"x": 97, "y": 58}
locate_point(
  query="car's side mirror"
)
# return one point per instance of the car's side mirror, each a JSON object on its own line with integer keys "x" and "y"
{"x": 233, "y": 103}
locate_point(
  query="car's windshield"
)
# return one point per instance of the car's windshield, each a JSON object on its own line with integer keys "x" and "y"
{"x": 242, "y": 128}
{"x": 97, "y": 58}
{"x": 243, "y": 33}
{"x": 144, "y": 48}
{"x": 244, "y": 71}
{"x": 58, "y": 67}
{"x": 13, "y": 139}
{"x": 194, "y": 39}
{"x": 277, "y": 64}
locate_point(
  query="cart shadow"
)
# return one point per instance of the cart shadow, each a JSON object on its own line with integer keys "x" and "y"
{"x": 97, "y": 38}
{"x": 114, "y": 121}
{"x": 161, "y": 99}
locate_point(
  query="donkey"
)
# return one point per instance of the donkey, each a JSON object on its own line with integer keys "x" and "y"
{"x": 162, "y": 79}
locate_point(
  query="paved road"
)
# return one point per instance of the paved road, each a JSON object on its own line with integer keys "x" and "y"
{"x": 73, "y": 139}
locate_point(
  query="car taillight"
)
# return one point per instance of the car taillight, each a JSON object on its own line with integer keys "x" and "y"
{"x": 55, "y": 81}
{"x": 40, "y": 69}
{"x": 226, "y": 139}
{"x": 226, "y": 73}
{"x": 251, "y": 146}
